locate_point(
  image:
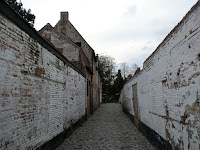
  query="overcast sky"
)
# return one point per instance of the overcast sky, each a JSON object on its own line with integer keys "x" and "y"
{"x": 127, "y": 30}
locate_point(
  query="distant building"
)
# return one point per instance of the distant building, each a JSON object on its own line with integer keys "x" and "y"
{"x": 73, "y": 46}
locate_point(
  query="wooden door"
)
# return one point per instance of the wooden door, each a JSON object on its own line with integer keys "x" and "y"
{"x": 135, "y": 100}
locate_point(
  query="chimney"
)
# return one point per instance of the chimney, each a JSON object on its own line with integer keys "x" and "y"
{"x": 64, "y": 16}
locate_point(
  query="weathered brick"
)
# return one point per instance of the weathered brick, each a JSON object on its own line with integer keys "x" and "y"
{"x": 168, "y": 86}
{"x": 35, "y": 91}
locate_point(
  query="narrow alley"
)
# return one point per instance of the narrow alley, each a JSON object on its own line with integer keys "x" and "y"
{"x": 53, "y": 84}
{"x": 108, "y": 129}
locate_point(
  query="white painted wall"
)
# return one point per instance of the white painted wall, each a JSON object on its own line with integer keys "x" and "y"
{"x": 168, "y": 87}
{"x": 40, "y": 96}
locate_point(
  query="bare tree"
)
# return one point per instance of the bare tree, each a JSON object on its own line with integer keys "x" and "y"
{"x": 124, "y": 69}
{"x": 106, "y": 69}
{"x": 106, "y": 64}
{"x": 133, "y": 68}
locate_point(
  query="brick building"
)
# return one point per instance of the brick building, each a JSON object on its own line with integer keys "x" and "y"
{"x": 73, "y": 46}
{"x": 45, "y": 90}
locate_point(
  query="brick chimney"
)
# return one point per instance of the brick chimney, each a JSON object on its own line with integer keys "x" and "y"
{"x": 64, "y": 16}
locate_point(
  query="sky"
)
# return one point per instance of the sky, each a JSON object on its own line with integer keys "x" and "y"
{"x": 127, "y": 30}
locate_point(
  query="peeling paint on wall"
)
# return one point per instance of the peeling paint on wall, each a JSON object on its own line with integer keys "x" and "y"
{"x": 36, "y": 88}
{"x": 169, "y": 86}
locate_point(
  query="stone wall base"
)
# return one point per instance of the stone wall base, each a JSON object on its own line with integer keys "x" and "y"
{"x": 149, "y": 133}
{"x": 57, "y": 140}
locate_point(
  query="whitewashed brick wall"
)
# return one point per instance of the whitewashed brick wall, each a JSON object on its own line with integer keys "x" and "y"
{"x": 168, "y": 87}
{"x": 40, "y": 96}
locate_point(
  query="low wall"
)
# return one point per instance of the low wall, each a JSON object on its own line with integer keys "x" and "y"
{"x": 41, "y": 93}
{"x": 165, "y": 95}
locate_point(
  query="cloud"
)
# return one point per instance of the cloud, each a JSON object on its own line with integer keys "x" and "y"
{"x": 130, "y": 11}
{"x": 128, "y": 30}
{"x": 127, "y": 40}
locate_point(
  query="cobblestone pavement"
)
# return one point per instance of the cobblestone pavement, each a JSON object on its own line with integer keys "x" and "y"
{"x": 108, "y": 129}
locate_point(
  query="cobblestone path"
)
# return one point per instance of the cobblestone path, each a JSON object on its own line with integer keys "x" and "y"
{"x": 108, "y": 129}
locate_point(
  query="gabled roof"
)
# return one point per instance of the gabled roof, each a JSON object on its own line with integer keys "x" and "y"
{"x": 47, "y": 27}
{"x": 7, "y": 11}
